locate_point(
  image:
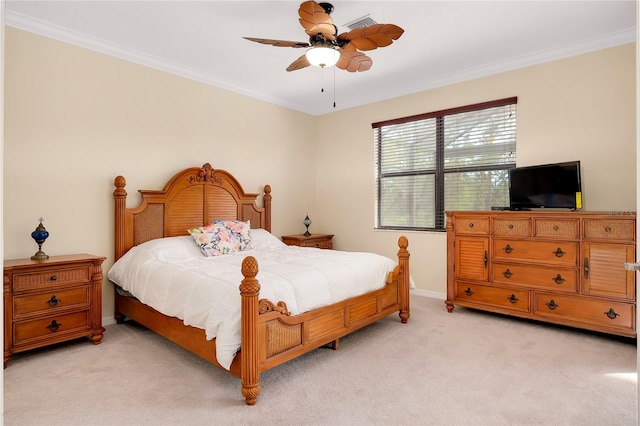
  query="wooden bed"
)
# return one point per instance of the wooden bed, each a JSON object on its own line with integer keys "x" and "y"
{"x": 270, "y": 335}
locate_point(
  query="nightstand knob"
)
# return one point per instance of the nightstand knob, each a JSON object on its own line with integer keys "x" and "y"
{"x": 54, "y": 326}
{"x": 53, "y": 301}
{"x": 53, "y": 278}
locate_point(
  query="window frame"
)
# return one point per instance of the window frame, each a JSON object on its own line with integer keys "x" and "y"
{"x": 439, "y": 172}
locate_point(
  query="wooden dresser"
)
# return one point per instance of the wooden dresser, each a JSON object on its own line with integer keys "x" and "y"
{"x": 51, "y": 301}
{"x": 323, "y": 241}
{"x": 559, "y": 267}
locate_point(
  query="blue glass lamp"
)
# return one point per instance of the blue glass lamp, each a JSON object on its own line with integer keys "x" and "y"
{"x": 40, "y": 235}
{"x": 307, "y": 222}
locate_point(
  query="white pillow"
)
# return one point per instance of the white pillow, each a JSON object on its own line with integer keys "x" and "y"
{"x": 262, "y": 239}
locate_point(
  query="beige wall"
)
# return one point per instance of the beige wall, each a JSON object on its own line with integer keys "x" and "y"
{"x": 581, "y": 108}
{"x": 75, "y": 118}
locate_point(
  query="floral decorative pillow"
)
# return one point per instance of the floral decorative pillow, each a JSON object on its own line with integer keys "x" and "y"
{"x": 214, "y": 240}
{"x": 239, "y": 231}
{"x": 222, "y": 237}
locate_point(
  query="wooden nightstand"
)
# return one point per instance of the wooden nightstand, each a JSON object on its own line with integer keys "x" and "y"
{"x": 51, "y": 301}
{"x": 314, "y": 240}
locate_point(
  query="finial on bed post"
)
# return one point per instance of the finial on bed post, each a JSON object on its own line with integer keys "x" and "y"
{"x": 249, "y": 368}
{"x": 266, "y": 202}
{"x": 120, "y": 198}
{"x": 403, "y": 261}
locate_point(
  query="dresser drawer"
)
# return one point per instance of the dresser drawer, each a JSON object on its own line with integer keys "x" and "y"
{"x": 50, "y": 278}
{"x": 610, "y": 229}
{"x": 558, "y": 252}
{"x": 50, "y": 327}
{"x": 50, "y": 301}
{"x": 517, "y": 227}
{"x": 591, "y": 311}
{"x": 569, "y": 228}
{"x": 514, "y": 299}
{"x": 475, "y": 225}
{"x": 555, "y": 278}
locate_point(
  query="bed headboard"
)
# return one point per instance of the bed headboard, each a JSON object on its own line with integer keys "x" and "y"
{"x": 193, "y": 197}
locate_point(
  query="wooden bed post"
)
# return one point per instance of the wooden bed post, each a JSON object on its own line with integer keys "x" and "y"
{"x": 120, "y": 198}
{"x": 249, "y": 369}
{"x": 266, "y": 203}
{"x": 403, "y": 261}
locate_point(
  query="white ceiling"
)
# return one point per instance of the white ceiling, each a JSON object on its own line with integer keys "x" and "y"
{"x": 444, "y": 41}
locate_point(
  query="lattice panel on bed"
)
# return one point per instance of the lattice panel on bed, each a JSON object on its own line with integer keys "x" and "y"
{"x": 148, "y": 224}
{"x": 282, "y": 337}
{"x": 249, "y": 213}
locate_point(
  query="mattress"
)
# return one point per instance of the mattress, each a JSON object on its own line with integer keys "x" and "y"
{"x": 174, "y": 277}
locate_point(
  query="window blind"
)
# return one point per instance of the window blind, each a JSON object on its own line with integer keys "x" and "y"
{"x": 454, "y": 159}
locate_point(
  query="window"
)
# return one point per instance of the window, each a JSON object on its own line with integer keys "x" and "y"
{"x": 456, "y": 159}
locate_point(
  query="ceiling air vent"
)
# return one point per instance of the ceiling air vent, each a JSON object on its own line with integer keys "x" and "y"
{"x": 365, "y": 21}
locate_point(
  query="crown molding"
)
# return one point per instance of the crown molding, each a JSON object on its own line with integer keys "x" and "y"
{"x": 63, "y": 34}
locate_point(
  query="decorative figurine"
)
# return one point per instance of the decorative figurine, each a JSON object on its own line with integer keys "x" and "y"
{"x": 40, "y": 235}
{"x": 307, "y": 222}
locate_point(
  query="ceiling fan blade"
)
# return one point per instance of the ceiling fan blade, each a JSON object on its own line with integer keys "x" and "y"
{"x": 278, "y": 43}
{"x": 372, "y": 37}
{"x": 299, "y": 63}
{"x": 315, "y": 20}
{"x": 354, "y": 61}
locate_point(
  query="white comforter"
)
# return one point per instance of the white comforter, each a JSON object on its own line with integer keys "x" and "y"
{"x": 175, "y": 278}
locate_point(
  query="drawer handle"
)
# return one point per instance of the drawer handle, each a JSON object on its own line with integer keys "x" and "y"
{"x": 552, "y": 305}
{"x": 468, "y": 291}
{"x": 512, "y": 298}
{"x": 559, "y": 252}
{"x": 53, "y": 278}
{"x": 558, "y": 279}
{"x": 507, "y": 249}
{"x": 586, "y": 267}
{"x": 53, "y": 301}
{"x": 607, "y": 229}
{"x": 470, "y": 224}
{"x": 555, "y": 227}
{"x": 54, "y": 326}
{"x": 510, "y": 226}
{"x": 612, "y": 314}
{"x": 507, "y": 273}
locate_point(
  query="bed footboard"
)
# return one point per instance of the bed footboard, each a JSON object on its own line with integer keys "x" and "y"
{"x": 272, "y": 336}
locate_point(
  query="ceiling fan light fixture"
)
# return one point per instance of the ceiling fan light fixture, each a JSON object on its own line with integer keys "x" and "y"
{"x": 322, "y": 56}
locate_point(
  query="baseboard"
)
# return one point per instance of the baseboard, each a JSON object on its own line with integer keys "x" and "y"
{"x": 429, "y": 293}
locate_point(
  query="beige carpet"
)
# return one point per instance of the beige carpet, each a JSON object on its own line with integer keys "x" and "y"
{"x": 464, "y": 368}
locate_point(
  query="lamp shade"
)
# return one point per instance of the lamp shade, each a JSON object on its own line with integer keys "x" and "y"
{"x": 323, "y": 56}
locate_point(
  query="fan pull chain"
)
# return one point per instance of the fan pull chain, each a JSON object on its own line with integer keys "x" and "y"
{"x": 334, "y": 86}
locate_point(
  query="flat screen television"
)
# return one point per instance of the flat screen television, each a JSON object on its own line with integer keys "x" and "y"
{"x": 555, "y": 186}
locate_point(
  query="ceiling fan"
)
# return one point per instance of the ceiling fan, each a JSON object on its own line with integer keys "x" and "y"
{"x": 326, "y": 48}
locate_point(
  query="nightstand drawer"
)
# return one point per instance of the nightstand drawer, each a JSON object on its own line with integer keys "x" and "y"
{"x": 26, "y": 331}
{"x": 50, "y": 301}
{"x": 50, "y": 278}
{"x": 322, "y": 241}
{"x": 325, "y": 244}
